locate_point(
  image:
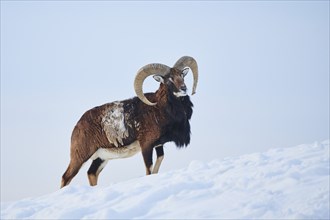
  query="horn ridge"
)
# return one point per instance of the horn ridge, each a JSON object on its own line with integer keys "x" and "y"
{"x": 187, "y": 61}
{"x": 143, "y": 73}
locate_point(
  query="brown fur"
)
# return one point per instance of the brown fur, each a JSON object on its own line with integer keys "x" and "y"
{"x": 149, "y": 125}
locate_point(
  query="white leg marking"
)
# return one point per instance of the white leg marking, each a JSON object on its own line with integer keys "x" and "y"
{"x": 157, "y": 165}
{"x": 101, "y": 167}
{"x": 94, "y": 177}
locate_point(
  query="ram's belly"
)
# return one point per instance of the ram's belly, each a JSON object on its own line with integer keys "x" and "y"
{"x": 117, "y": 152}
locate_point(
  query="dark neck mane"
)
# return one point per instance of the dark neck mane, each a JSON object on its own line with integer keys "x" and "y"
{"x": 177, "y": 113}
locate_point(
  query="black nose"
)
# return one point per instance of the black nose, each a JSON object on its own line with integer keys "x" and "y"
{"x": 184, "y": 88}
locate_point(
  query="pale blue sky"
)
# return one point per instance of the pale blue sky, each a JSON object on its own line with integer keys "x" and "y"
{"x": 264, "y": 78}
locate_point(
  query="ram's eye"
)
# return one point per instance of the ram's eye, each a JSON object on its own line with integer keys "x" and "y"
{"x": 184, "y": 72}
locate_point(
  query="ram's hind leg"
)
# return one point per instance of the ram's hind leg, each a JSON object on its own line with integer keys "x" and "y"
{"x": 71, "y": 171}
{"x": 160, "y": 157}
{"x": 94, "y": 170}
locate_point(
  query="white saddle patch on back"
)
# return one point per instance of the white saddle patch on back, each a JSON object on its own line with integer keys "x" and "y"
{"x": 113, "y": 123}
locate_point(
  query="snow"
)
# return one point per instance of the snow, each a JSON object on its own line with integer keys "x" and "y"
{"x": 282, "y": 183}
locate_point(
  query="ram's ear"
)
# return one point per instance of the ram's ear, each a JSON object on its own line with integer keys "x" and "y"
{"x": 158, "y": 78}
{"x": 185, "y": 71}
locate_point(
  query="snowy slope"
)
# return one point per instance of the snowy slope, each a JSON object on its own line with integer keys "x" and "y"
{"x": 290, "y": 183}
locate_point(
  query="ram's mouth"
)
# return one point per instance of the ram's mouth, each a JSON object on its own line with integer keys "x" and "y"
{"x": 180, "y": 93}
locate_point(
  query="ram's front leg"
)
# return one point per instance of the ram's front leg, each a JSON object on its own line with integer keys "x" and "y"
{"x": 147, "y": 157}
{"x": 160, "y": 157}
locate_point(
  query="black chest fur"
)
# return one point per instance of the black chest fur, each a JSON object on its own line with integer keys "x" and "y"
{"x": 178, "y": 114}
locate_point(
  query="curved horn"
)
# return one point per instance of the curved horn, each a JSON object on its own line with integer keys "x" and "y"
{"x": 190, "y": 62}
{"x": 143, "y": 73}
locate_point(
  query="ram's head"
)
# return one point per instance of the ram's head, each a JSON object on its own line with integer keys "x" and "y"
{"x": 172, "y": 77}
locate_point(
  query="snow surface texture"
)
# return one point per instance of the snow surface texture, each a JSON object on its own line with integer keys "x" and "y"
{"x": 286, "y": 183}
